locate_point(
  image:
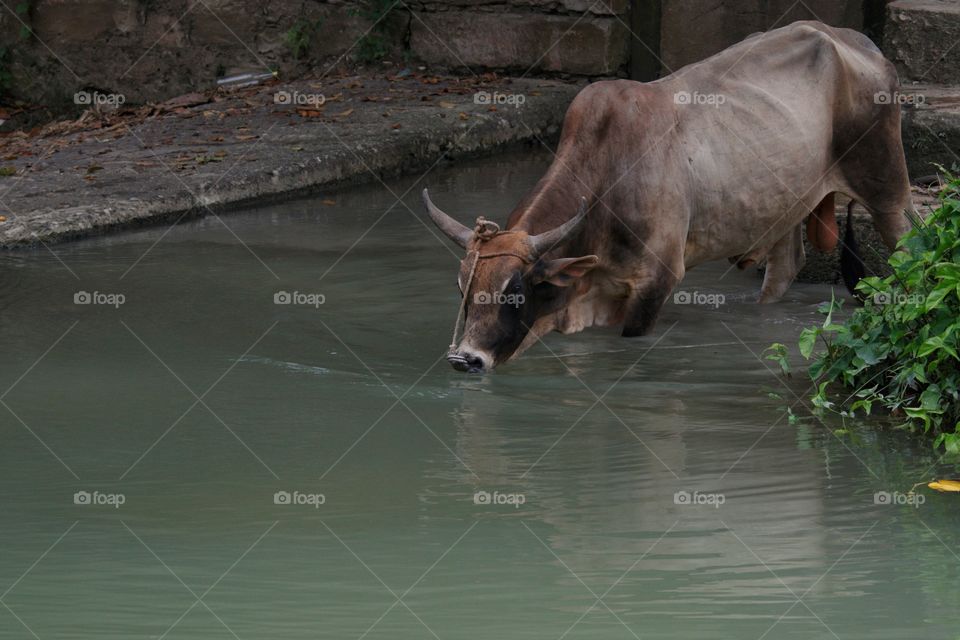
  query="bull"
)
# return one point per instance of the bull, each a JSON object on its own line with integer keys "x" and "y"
{"x": 723, "y": 159}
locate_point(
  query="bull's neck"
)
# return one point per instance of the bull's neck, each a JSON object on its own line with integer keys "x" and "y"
{"x": 555, "y": 198}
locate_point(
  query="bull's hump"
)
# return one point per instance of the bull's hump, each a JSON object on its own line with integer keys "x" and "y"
{"x": 797, "y": 47}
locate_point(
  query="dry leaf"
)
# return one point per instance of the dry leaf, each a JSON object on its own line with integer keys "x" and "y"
{"x": 952, "y": 486}
{"x": 329, "y": 203}
{"x": 447, "y": 105}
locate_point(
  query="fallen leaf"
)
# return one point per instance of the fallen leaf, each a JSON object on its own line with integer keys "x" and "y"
{"x": 952, "y": 486}
{"x": 464, "y": 116}
{"x": 188, "y": 100}
{"x": 344, "y": 114}
{"x": 447, "y": 105}
{"x": 94, "y": 168}
{"x": 396, "y": 126}
{"x": 329, "y": 203}
{"x": 309, "y": 113}
{"x": 246, "y": 138}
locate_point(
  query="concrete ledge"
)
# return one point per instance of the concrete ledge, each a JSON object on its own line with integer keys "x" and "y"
{"x": 245, "y": 148}
{"x": 931, "y": 127}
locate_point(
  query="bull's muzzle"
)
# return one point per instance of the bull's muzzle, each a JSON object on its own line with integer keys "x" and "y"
{"x": 466, "y": 361}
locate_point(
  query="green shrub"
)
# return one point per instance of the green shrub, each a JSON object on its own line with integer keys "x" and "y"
{"x": 899, "y": 352}
{"x": 300, "y": 35}
{"x": 375, "y": 43}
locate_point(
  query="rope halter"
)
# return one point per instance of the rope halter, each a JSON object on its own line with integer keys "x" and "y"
{"x": 483, "y": 231}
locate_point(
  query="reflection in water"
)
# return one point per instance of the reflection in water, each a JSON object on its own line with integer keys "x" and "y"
{"x": 352, "y": 400}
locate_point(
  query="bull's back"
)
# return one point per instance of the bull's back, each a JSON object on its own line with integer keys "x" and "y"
{"x": 765, "y": 126}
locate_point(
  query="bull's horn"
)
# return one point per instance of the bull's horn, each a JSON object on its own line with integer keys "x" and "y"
{"x": 454, "y": 230}
{"x": 549, "y": 239}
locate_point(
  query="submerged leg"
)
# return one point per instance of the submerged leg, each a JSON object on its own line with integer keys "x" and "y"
{"x": 783, "y": 264}
{"x": 648, "y": 296}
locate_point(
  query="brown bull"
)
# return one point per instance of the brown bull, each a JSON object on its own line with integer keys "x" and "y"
{"x": 721, "y": 160}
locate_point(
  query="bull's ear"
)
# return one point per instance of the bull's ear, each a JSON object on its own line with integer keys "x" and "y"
{"x": 565, "y": 271}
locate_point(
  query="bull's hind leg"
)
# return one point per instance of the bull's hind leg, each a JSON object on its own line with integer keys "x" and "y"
{"x": 875, "y": 171}
{"x": 783, "y": 264}
{"x": 648, "y": 295}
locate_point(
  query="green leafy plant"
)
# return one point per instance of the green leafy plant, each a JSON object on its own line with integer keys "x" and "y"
{"x": 22, "y": 10}
{"x": 900, "y": 351}
{"x": 777, "y": 353}
{"x": 6, "y": 78}
{"x": 298, "y": 37}
{"x": 374, "y": 45}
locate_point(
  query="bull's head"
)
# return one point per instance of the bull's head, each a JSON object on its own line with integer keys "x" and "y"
{"x": 507, "y": 284}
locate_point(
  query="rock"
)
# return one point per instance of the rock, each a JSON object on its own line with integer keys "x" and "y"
{"x": 573, "y": 44}
{"x": 921, "y": 37}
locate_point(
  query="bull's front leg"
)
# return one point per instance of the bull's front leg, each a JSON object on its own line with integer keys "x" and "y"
{"x": 648, "y": 295}
{"x": 783, "y": 264}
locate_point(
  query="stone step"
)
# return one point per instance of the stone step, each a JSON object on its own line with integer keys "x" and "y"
{"x": 922, "y": 37}
{"x": 931, "y": 127}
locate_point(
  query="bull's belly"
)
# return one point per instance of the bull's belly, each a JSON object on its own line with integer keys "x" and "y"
{"x": 747, "y": 235}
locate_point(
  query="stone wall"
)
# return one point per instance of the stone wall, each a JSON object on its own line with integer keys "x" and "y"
{"x": 151, "y": 50}
{"x": 571, "y": 36}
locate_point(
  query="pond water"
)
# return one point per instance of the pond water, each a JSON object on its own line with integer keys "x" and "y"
{"x": 595, "y": 488}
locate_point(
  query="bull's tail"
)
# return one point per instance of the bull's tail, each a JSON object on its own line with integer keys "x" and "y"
{"x": 852, "y": 267}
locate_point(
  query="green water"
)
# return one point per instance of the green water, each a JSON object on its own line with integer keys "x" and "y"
{"x": 198, "y": 399}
